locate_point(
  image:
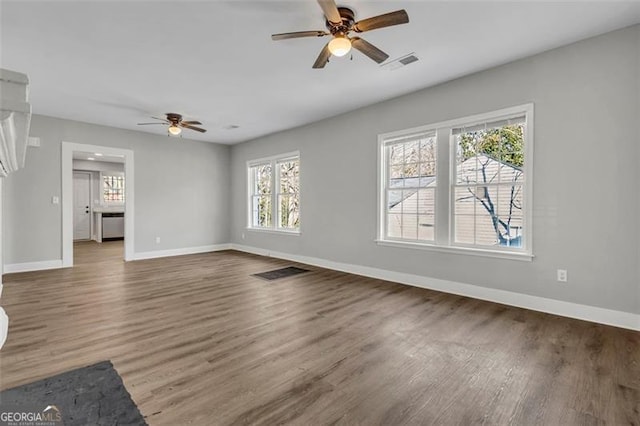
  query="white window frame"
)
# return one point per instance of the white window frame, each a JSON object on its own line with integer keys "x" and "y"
{"x": 274, "y": 192}
{"x": 405, "y": 138}
{"x": 445, "y": 185}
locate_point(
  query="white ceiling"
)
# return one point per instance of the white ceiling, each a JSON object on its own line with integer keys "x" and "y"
{"x": 116, "y": 63}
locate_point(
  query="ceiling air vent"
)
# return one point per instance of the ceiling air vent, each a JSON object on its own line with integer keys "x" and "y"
{"x": 400, "y": 62}
{"x": 408, "y": 59}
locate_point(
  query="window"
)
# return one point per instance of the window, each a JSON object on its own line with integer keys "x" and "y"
{"x": 463, "y": 185}
{"x": 261, "y": 195}
{"x": 113, "y": 189}
{"x": 410, "y": 187}
{"x": 489, "y": 183}
{"x": 288, "y": 196}
{"x": 274, "y": 192}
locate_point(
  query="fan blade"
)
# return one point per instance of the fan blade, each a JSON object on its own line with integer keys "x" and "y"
{"x": 369, "y": 49}
{"x": 323, "y": 57}
{"x": 191, "y": 122}
{"x": 388, "y": 19}
{"x": 330, "y": 11}
{"x": 161, "y": 119}
{"x": 146, "y": 124}
{"x": 187, "y": 126}
{"x": 299, "y": 34}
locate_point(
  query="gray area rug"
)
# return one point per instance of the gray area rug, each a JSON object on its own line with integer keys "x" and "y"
{"x": 93, "y": 395}
{"x": 280, "y": 273}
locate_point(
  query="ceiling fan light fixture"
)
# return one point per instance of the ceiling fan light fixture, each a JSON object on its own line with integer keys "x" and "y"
{"x": 340, "y": 45}
{"x": 175, "y": 130}
{"x": 176, "y": 124}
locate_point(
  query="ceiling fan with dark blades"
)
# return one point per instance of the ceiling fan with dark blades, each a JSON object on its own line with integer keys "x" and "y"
{"x": 340, "y": 21}
{"x": 176, "y": 124}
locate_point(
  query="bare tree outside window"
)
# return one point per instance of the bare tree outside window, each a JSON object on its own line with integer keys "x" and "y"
{"x": 289, "y": 199}
{"x": 113, "y": 189}
{"x": 411, "y": 186}
{"x": 275, "y": 193}
{"x": 262, "y": 195}
{"x": 462, "y": 185}
{"x": 489, "y": 188}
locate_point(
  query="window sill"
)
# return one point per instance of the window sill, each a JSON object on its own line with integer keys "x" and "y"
{"x": 526, "y": 257}
{"x": 274, "y": 231}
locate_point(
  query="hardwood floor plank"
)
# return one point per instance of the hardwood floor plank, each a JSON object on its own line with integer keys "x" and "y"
{"x": 199, "y": 341}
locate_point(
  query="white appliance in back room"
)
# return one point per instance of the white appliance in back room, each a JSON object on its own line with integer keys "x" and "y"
{"x": 112, "y": 226}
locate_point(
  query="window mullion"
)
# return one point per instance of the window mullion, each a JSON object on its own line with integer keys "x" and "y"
{"x": 443, "y": 176}
{"x": 275, "y": 183}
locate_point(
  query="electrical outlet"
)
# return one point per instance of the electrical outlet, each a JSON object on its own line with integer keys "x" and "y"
{"x": 55, "y": 200}
{"x": 157, "y": 240}
{"x": 243, "y": 235}
{"x": 562, "y": 275}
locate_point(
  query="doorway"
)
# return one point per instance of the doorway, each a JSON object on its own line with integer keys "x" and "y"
{"x": 109, "y": 173}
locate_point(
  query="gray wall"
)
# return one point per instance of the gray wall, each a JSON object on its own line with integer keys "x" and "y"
{"x": 181, "y": 191}
{"x": 585, "y": 189}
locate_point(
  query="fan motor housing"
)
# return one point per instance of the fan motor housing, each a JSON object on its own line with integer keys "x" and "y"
{"x": 348, "y": 19}
{"x": 174, "y": 118}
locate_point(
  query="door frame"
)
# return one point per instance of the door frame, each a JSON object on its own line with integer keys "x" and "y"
{"x": 90, "y": 199}
{"x": 68, "y": 148}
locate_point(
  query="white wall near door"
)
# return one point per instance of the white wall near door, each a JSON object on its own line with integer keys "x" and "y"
{"x": 81, "y": 205}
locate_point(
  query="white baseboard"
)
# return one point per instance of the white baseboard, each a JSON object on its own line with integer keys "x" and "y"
{"x": 33, "y": 266}
{"x": 535, "y": 303}
{"x": 56, "y": 264}
{"x": 180, "y": 251}
{"x": 557, "y": 307}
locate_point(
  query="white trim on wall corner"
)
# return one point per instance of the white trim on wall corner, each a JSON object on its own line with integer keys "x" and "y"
{"x": 180, "y": 252}
{"x": 551, "y": 306}
{"x": 32, "y": 266}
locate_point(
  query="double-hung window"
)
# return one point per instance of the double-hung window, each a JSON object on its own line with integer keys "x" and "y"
{"x": 274, "y": 193}
{"x": 462, "y": 185}
{"x": 410, "y": 187}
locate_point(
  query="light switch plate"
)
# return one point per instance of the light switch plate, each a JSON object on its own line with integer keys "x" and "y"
{"x": 55, "y": 200}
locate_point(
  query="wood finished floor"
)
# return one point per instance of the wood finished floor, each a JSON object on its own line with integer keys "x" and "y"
{"x": 199, "y": 341}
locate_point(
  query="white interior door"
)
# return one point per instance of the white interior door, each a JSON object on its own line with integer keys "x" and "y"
{"x": 81, "y": 204}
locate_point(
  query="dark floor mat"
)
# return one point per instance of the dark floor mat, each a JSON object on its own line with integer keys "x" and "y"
{"x": 280, "y": 273}
{"x": 93, "y": 395}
